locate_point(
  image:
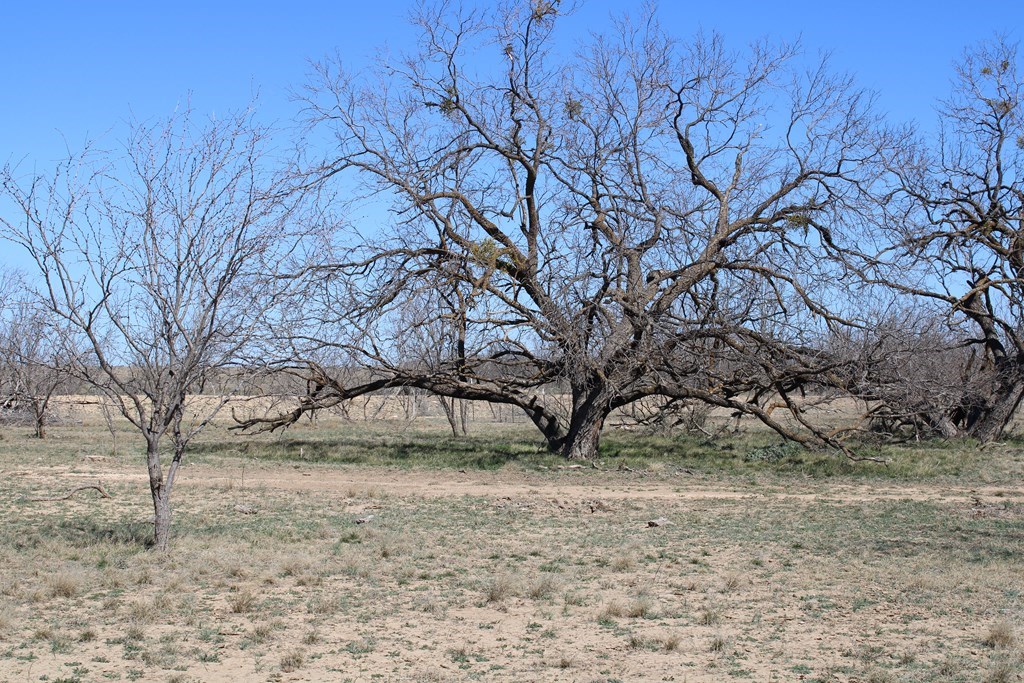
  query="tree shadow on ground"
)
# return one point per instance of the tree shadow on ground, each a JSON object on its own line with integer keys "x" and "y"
{"x": 85, "y": 533}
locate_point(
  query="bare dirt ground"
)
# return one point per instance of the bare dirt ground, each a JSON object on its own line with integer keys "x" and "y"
{"x": 585, "y": 486}
{"x": 305, "y": 572}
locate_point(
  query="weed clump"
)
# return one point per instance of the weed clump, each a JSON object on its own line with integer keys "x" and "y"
{"x": 499, "y": 589}
{"x": 1000, "y": 636}
{"x": 641, "y": 608}
{"x": 64, "y": 585}
{"x": 292, "y": 661}
{"x": 612, "y": 610}
{"x": 772, "y": 454}
{"x": 709, "y": 616}
{"x": 242, "y": 602}
{"x": 543, "y": 588}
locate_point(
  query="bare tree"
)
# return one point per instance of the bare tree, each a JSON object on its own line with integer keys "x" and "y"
{"x": 910, "y": 370}
{"x": 633, "y": 220}
{"x": 956, "y": 217}
{"x": 33, "y": 358}
{"x": 435, "y": 329}
{"x": 158, "y": 261}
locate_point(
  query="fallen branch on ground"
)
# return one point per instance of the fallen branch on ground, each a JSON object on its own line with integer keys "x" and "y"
{"x": 98, "y": 486}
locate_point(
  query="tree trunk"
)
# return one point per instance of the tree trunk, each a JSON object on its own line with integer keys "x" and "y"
{"x": 455, "y": 411}
{"x": 464, "y": 416}
{"x": 161, "y": 492}
{"x": 943, "y": 425}
{"x": 162, "y": 520}
{"x": 991, "y": 425}
{"x": 40, "y": 415}
{"x": 583, "y": 437}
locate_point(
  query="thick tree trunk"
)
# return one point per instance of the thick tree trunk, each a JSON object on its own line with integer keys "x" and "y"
{"x": 464, "y": 417}
{"x": 547, "y": 422}
{"x": 991, "y": 425}
{"x": 583, "y": 437}
{"x": 943, "y": 425}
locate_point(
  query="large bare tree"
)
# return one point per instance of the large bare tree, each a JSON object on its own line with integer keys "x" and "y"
{"x": 158, "y": 260}
{"x": 639, "y": 218}
{"x": 956, "y": 219}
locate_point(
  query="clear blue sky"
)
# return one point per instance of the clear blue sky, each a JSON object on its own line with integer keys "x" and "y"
{"x": 77, "y": 70}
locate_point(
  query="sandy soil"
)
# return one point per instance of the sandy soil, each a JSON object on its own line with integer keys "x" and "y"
{"x": 572, "y": 483}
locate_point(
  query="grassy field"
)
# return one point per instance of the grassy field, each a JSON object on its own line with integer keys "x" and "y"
{"x": 389, "y": 551}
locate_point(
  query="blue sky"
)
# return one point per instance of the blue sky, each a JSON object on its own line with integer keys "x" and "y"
{"x": 77, "y": 70}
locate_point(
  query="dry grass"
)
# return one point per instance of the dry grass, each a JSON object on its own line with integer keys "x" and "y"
{"x": 1003, "y": 671}
{"x": 731, "y": 582}
{"x": 879, "y": 676}
{"x": 709, "y": 616}
{"x": 623, "y": 563}
{"x": 640, "y": 608}
{"x": 243, "y": 602}
{"x": 64, "y": 584}
{"x": 543, "y": 588}
{"x": 323, "y": 605}
{"x": 292, "y": 660}
{"x": 489, "y": 576}
{"x": 6, "y": 620}
{"x": 1001, "y": 635}
{"x": 611, "y": 610}
{"x": 500, "y": 588}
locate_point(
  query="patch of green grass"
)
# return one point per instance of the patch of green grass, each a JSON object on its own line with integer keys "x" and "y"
{"x": 386, "y": 444}
{"x": 492, "y": 446}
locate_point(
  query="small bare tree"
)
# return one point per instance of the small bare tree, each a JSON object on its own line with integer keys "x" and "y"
{"x": 434, "y": 339}
{"x": 158, "y": 261}
{"x": 34, "y": 358}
